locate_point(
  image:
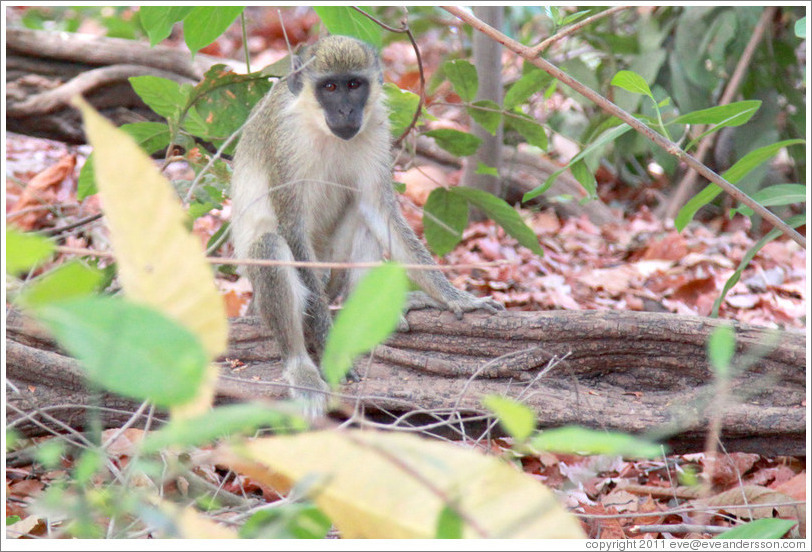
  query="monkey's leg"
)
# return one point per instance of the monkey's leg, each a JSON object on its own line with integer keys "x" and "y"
{"x": 281, "y": 298}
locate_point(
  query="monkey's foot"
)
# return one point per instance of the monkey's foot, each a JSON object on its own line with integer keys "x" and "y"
{"x": 307, "y": 386}
{"x": 467, "y": 302}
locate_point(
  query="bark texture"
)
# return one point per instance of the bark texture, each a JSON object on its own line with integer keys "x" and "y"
{"x": 644, "y": 373}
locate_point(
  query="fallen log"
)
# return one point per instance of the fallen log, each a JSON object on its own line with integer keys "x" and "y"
{"x": 638, "y": 372}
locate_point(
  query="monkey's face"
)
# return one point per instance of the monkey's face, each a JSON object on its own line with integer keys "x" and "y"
{"x": 343, "y": 98}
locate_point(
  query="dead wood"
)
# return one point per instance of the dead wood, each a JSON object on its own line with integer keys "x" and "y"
{"x": 45, "y": 69}
{"x": 638, "y": 372}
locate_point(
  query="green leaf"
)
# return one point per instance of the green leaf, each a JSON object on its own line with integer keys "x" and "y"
{"x": 768, "y": 528}
{"x": 529, "y": 129}
{"x": 204, "y": 24}
{"x": 158, "y": 21}
{"x": 793, "y": 222}
{"x": 463, "y": 76}
{"x": 735, "y": 173}
{"x": 163, "y": 96}
{"x": 402, "y": 105}
{"x": 445, "y": 216}
{"x": 370, "y": 314}
{"x": 489, "y": 117}
{"x": 573, "y": 17}
{"x": 344, "y": 20}
{"x": 24, "y": 251}
{"x": 503, "y": 214}
{"x": 516, "y": 418}
{"x": 579, "y": 440}
{"x": 221, "y": 103}
{"x": 800, "y": 27}
{"x": 771, "y": 196}
{"x": 721, "y": 348}
{"x": 223, "y": 421}
{"x": 455, "y": 142}
{"x": 128, "y": 348}
{"x": 10, "y": 520}
{"x": 291, "y": 521}
{"x": 585, "y": 177}
{"x": 72, "y": 279}
{"x": 631, "y": 81}
{"x": 449, "y": 524}
{"x": 607, "y": 136}
{"x": 482, "y": 168}
{"x": 729, "y": 115}
{"x": 530, "y": 83}
{"x": 150, "y": 136}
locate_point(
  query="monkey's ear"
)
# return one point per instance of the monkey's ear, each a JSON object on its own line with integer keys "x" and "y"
{"x": 295, "y": 78}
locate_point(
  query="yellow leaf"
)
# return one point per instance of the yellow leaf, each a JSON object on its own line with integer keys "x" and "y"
{"x": 159, "y": 262}
{"x": 387, "y": 485}
{"x": 190, "y": 524}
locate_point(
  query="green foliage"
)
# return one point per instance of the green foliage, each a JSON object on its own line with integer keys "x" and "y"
{"x": 112, "y": 21}
{"x": 529, "y": 129}
{"x": 454, "y": 141}
{"x": 516, "y": 418}
{"x": 25, "y": 251}
{"x": 768, "y": 528}
{"x": 445, "y": 216}
{"x": 631, "y": 81}
{"x": 721, "y": 348}
{"x": 127, "y": 348}
{"x": 402, "y": 106}
{"x": 774, "y": 196}
{"x": 579, "y": 440}
{"x": 735, "y": 173}
{"x": 521, "y": 90}
{"x": 230, "y": 420}
{"x": 487, "y": 113}
{"x": 606, "y": 137}
{"x": 159, "y": 20}
{"x": 369, "y": 315}
{"x": 151, "y": 136}
{"x": 204, "y": 24}
{"x": 72, "y": 279}
{"x": 201, "y": 25}
{"x": 503, "y": 214}
{"x": 463, "y": 76}
{"x": 344, "y": 20}
{"x": 291, "y": 521}
{"x": 449, "y": 524}
{"x": 793, "y": 222}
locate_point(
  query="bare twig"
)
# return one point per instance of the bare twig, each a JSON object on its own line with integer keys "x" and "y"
{"x": 404, "y": 28}
{"x": 299, "y": 264}
{"x": 678, "y": 528}
{"x": 686, "y": 185}
{"x": 669, "y": 146}
{"x": 544, "y": 44}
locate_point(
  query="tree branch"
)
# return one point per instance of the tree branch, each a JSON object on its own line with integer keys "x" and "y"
{"x": 670, "y": 147}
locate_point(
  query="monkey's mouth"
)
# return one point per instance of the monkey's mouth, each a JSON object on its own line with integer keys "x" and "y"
{"x": 344, "y": 127}
{"x": 346, "y": 132}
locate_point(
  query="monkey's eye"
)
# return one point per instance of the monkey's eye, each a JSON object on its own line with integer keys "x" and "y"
{"x": 353, "y": 84}
{"x": 330, "y": 86}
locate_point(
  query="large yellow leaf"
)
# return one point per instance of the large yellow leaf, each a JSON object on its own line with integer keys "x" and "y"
{"x": 388, "y": 485}
{"x": 159, "y": 262}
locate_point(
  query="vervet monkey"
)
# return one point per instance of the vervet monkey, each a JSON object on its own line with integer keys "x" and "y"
{"x": 312, "y": 182}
